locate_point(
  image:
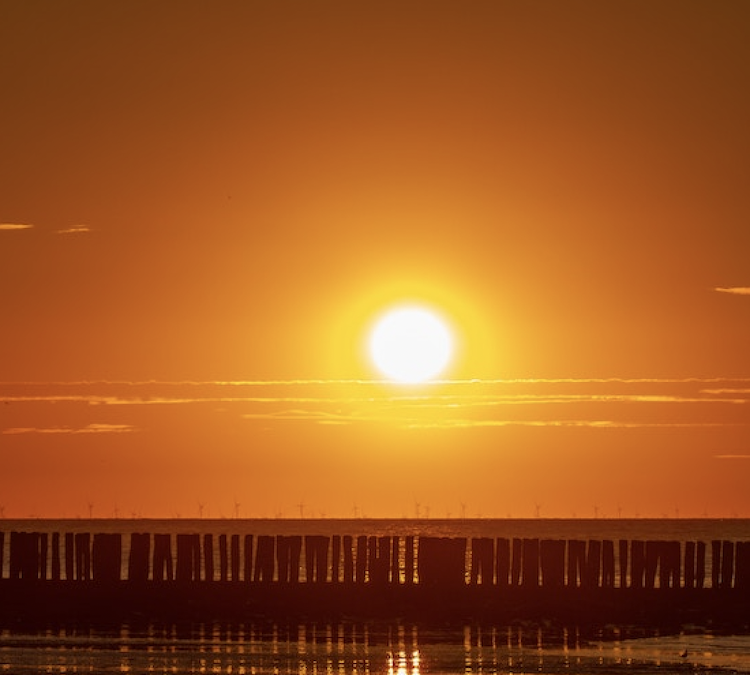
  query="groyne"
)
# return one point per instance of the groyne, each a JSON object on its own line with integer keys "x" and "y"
{"x": 58, "y": 575}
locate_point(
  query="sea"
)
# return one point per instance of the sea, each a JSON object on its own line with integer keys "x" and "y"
{"x": 295, "y": 647}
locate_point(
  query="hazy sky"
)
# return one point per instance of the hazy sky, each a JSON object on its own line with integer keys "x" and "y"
{"x": 203, "y": 191}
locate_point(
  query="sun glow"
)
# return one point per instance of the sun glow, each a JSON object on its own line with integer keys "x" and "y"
{"x": 411, "y": 344}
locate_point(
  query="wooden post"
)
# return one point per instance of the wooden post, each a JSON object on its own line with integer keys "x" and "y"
{"x": 348, "y": 559}
{"x": 265, "y": 558}
{"x": 43, "y": 554}
{"x": 234, "y": 557}
{"x": 715, "y": 564}
{"x": 208, "y": 557}
{"x": 379, "y": 559}
{"x": 140, "y": 553}
{"x": 248, "y": 557}
{"x": 482, "y": 561}
{"x": 530, "y": 563}
{"x": 689, "y": 565}
{"x": 361, "y": 562}
{"x": 2, "y": 553}
{"x": 395, "y": 565}
{"x": 69, "y": 556}
{"x": 107, "y": 557}
{"x": 515, "y": 562}
{"x": 700, "y": 564}
{"x": 623, "y": 561}
{"x": 638, "y": 565}
{"x": 727, "y": 564}
{"x": 576, "y": 562}
{"x": 316, "y": 558}
{"x": 55, "y": 553}
{"x": 288, "y": 553}
{"x": 83, "y": 556}
{"x": 188, "y": 557}
{"x": 336, "y": 559}
{"x": 742, "y": 566}
{"x": 608, "y": 564}
{"x": 162, "y": 568}
{"x": 593, "y": 568}
{"x": 223, "y": 557}
{"x": 669, "y": 564}
{"x": 502, "y": 562}
{"x": 552, "y": 555}
{"x": 653, "y": 550}
{"x": 409, "y": 561}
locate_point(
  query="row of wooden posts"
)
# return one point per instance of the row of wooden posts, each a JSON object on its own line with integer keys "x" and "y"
{"x": 376, "y": 560}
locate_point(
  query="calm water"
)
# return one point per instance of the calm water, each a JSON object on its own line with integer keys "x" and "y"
{"x": 377, "y": 649}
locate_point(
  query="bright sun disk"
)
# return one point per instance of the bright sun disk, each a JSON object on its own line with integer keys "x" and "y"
{"x": 411, "y": 345}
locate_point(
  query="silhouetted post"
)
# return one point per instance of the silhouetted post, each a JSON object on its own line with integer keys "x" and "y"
{"x": 638, "y": 565}
{"x": 379, "y": 559}
{"x": 700, "y": 564}
{"x": 592, "y": 570}
{"x": 742, "y": 566}
{"x": 530, "y": 563}
{"x": 336, "y": 559}
{"x": 442, "y": 561}
{"x": 690, "y": 564}
{"x": 653, "y": 548}
{"x": 234, "y": 556}
{"x": 188, "y": 557}
{"x": 248, "y": 546}
{"x": 2, "y": 553}
{"x": 140, "y": 553}
{"x": 669, "y": 564}
{"x": 55, "y": 553}
{"x": 348, "y": 559}
{"x": 208, "y": 557}
{"x": 409, "y": 560}
{"x": 552, "y": 554}
{"x": 163, "y": 569}
{"x": 395, "y": 560}
{"x": 727, "y": 564}
{"x": 69, "y": 556}
{"x": 515, "y": 562}
{"x": 264, "y": 559}
{"x": 623, "y": 560}
{"x": 361, "y": 562}
{"x": 576, "y": 562}
{"x": 223, "y": 564}
{"x": 83, "y": 556}
{"x": 288, "y": 553}
{"x": 316, "y": 558}
{"x": 106, "y": 557}
{"x": 715, "y": 563}
{"x": 502, "y": 561}
{"x": 482, "y": 561}
{"x": 608, "y": 564}
{"x": 17, "y": 554}
{"x": 43, "y": 553}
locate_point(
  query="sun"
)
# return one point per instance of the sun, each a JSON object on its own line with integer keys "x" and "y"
{"x": 411, "y": 344}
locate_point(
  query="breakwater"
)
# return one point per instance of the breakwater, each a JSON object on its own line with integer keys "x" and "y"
{"x": 235, "y": 575}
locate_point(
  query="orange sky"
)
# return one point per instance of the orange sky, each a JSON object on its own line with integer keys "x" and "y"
{"x": 231, "y": 191}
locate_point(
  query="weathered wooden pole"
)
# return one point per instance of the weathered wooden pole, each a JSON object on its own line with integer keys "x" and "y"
{"x": 552, "y": 556}
{"x": 336, "y": 559}
{"x": 576, "y": 562}
{"x": 727, "y": 564}
{"x": 248, "y": 550}
{"x": 162, "y": 568}
{"x": 106, "y": 557}
{"x": 409, "y": 561}
{"x": 69, "y": 556}
{"x": 265, "y": 559}
{"x": 140, "y": 554}
{"x": 482, "y": 561}
{"x": 83, "y": 556}
{"x": 700, "y": 564}
{"x": 502, "y": 561}
{"x": 361, "y": 561}
{"x": 55, "y": 553}
{"x": 348, "y": 544}
{"x": 623, "y": 562}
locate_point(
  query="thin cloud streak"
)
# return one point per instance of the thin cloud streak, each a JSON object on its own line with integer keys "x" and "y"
{"x": 734, "y": 290}
{"x": 76, "y": 229}
{"x": 15, "y": 226}
{"x": 94, "y": 428}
